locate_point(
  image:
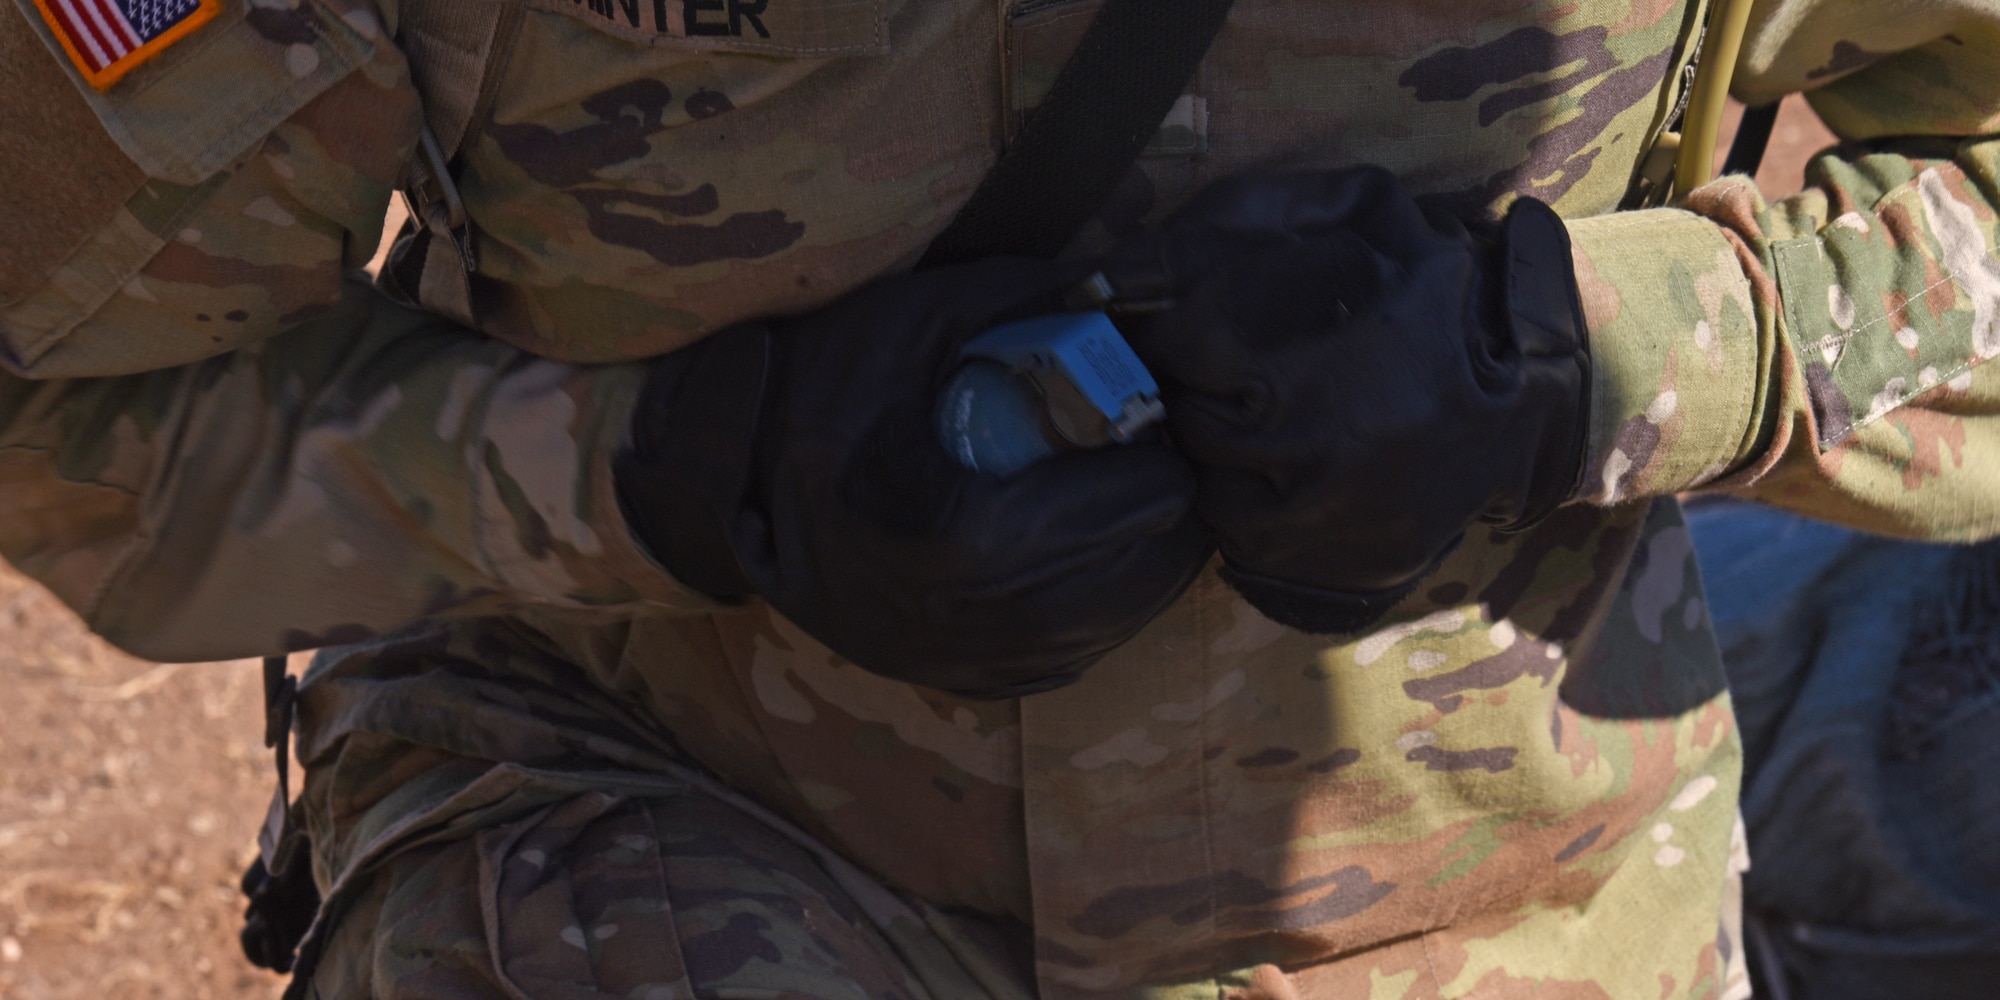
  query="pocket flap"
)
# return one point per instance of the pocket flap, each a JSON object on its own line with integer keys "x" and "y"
{"x": 209, "y": 96}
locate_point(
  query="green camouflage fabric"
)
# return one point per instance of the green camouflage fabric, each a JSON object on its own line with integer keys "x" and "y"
{"x": 1521, "y": 783}
{"x": 1869, "y": 303}
{"x": 605, "y": 864}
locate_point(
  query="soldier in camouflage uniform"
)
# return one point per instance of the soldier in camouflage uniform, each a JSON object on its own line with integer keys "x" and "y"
{"x": 585, "y": 778}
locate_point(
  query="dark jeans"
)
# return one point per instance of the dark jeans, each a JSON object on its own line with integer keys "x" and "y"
{"x": 1866, "y": 676}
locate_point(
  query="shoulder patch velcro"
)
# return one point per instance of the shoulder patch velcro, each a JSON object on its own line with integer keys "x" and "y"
{"x": 107, "y": 39}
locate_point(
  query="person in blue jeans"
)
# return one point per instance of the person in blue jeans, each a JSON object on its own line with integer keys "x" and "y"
{"x": 1866, "y": 675}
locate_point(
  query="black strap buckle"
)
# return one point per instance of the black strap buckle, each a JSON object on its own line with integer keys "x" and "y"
{"x": 279, "y": 884}
{"x": 279, "y": 691}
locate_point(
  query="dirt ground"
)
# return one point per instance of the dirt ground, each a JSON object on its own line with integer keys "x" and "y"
{"x": 130, "y": 795}
{"x": 130, "y": 792}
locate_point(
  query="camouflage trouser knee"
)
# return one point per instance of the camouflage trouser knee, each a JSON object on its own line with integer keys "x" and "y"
{"x": 486, "y": 822}
{"x": 660, "y": 898}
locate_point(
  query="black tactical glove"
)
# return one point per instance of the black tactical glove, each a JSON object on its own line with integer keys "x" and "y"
{"x": 798, "y": 460}
{"x": 1358, "y": 381}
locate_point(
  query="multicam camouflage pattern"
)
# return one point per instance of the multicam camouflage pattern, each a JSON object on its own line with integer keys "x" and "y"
{"x": 784, "y": 928}
{"x": 1522, "y": 782}
{"x": 602, "y": 859}
{"x": 1469, "y": 797}
{"x": 1870, "y": 302}
{"x": 253, "y": 163}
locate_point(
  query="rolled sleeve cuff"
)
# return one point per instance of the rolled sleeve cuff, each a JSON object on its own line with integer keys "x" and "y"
{"x": 1674, "y": 348}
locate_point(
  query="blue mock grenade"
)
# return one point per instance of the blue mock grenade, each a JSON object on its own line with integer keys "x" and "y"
{"x": 1039, "y": 386}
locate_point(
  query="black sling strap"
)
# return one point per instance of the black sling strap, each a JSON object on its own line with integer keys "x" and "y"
{"x": 1106, "y": 104}
{"x": 1753, "y": 134}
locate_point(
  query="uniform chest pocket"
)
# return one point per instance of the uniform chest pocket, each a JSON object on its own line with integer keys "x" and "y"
{"x": 771, "y": 27}
{"x": 210, "y": 158}
{"x": 200, "y": 98}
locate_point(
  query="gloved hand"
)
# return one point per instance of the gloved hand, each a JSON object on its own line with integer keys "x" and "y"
{"x": 798, "y": 460}
{"x": 1358, "y": 381}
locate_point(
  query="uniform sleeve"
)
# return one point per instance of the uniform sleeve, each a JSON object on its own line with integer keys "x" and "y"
{"x": 1825, "y": 353}
{"x": 213, "y": 442}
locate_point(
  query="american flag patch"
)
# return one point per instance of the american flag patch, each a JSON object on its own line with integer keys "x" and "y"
{"x": 107, "y": 38}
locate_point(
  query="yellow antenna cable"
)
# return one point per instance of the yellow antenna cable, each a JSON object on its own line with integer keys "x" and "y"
{"x": 1727, "y": 23}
